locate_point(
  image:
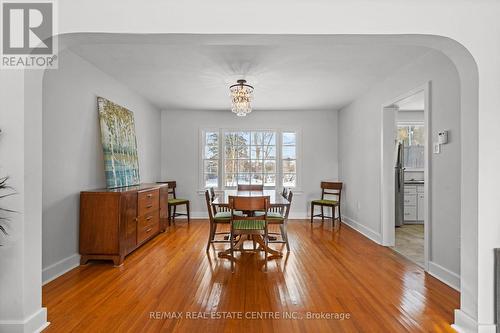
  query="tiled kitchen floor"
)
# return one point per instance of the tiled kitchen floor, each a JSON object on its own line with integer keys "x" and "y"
{"x": 410, "y": 242}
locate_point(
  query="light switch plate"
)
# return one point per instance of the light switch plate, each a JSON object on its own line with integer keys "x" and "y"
{"x": 437, "y": 148}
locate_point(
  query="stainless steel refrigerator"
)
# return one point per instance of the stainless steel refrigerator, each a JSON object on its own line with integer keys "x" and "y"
{"x": 399, "y": 181}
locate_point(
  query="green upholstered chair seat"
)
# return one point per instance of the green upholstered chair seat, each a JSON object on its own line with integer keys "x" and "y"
{"x": 249, "y": 225}
{"x": 227, "y": 215}
{"x": 271, "y": 215}
{"x": 325, "y": 202}
{"x": 177, "y": 201}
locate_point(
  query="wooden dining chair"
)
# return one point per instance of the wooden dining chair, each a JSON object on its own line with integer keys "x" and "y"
{"x": 279, "y": 216}
{"x": 328, "y": 190}
{"x": 243, "y": 225}
{"x": 173, "y": 202}
{"x": 215, "y": 219}
{"x": 243, "y": 187}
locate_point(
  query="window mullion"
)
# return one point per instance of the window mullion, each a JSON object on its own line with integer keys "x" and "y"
{"x": 279, "y": 157}
{"x": 221, "y": 162}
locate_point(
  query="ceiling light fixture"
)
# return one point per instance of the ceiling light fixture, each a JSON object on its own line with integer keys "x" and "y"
{"x": 241, "y": 98}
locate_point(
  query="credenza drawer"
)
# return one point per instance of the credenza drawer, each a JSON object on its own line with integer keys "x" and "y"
{"x": 147, "y": 226}
{"x": 148, "y": 201}
{"x": 148, "y": 219}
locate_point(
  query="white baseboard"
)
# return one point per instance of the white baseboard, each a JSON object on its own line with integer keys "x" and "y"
{"x": 57, "y": 269}
{"x": 37, "y": 322}
{"x": 466, "y": 324}
{"x": 445, "y": 275}
{"x": 486, "y": 328}
{"x": 299, "y": 216}
{"x": 374, "y": 236}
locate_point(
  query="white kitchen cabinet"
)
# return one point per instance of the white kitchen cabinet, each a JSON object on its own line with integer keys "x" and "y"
{"x": 410, "y": 213}
{"x": 420, "y": 207}
{"x": 414, "y": 203}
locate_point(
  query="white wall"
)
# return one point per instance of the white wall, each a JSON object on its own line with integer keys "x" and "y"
{"x": 180, "y": 148}
{"x": 20, "y": 276}
{"x": 72, "y": 151}
{"x": 360, "y": 155}
{"x": 410, "y": 116}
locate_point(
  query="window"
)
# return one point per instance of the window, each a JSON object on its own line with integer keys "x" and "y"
{"x": 412, "y": 137}
{"x": 289, "y": 159}
{"x": 249, "y": 158}
{"x": 211, "y": 159}
{"x": 232, "y": 157}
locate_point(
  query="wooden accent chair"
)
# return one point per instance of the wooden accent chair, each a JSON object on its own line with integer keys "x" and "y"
{"x": 220, "y": 208}
{"x": 279, "y": 216}
{"x": 242, "y": 187}
{"x": 216, "y": 218}
{"x": 173, "y": 202}
{"x": 328, "y": 189}
{"x": 243, "y": 225}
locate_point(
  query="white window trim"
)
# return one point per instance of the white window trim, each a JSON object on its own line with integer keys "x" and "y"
{"x": 279, "y": 157}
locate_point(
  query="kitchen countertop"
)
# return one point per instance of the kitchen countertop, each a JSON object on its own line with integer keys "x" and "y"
{"x": 414, "y": 182}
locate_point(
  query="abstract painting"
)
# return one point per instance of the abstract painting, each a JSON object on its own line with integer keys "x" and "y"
{"x": 121, "y": 165}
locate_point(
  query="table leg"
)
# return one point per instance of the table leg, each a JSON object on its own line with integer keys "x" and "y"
{"x": 227, "y": 253}
{"x": 257, "y": 239}
{"x": 274, "y": 254}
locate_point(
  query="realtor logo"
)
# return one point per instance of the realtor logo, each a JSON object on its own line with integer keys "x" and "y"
{"x": 27, "y": 35}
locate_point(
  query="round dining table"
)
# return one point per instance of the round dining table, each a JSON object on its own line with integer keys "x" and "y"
{"x": 276, "y": 200}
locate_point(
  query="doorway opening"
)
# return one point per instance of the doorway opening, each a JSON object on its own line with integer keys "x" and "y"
{"x": 405, "y": 142}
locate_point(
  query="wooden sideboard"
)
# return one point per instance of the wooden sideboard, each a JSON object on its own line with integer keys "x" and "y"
{"x": 115, "y": 222}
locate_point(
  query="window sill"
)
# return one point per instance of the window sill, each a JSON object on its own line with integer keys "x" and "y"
{"x": 295, "y": 191}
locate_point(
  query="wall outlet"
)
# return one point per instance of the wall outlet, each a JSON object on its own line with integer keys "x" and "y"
{"x": 358, "y": 206}
{"x": 437, "y": 148}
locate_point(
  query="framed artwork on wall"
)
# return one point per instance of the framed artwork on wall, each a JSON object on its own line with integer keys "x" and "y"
{"x": 121, "y": 164}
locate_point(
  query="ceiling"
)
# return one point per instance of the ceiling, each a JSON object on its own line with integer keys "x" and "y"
{"x": 193, "y": 72}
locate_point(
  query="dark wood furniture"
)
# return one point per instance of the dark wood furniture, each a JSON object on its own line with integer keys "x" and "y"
{"x": 114, "y": 222}
{"x": 173, "y": 202}
{"x": 242, "y": 187}
{"x": 215, "y": 218}
{"x": 276, "y": 200}
{"x": 328, "y": 190}
{"x": 255, "y": 227}
{"x": 278, "y": 215}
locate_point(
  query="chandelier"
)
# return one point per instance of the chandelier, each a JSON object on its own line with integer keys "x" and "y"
{"x": 241, "y": 97}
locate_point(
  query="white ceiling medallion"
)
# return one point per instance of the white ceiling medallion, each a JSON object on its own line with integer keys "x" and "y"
{"x": 241, "y": 98}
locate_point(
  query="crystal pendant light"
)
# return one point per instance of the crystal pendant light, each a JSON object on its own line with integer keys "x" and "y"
{"x": 241, "y": 98}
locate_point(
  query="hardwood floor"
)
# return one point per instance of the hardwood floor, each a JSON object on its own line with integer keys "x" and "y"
{"x": 326, "y": 271}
